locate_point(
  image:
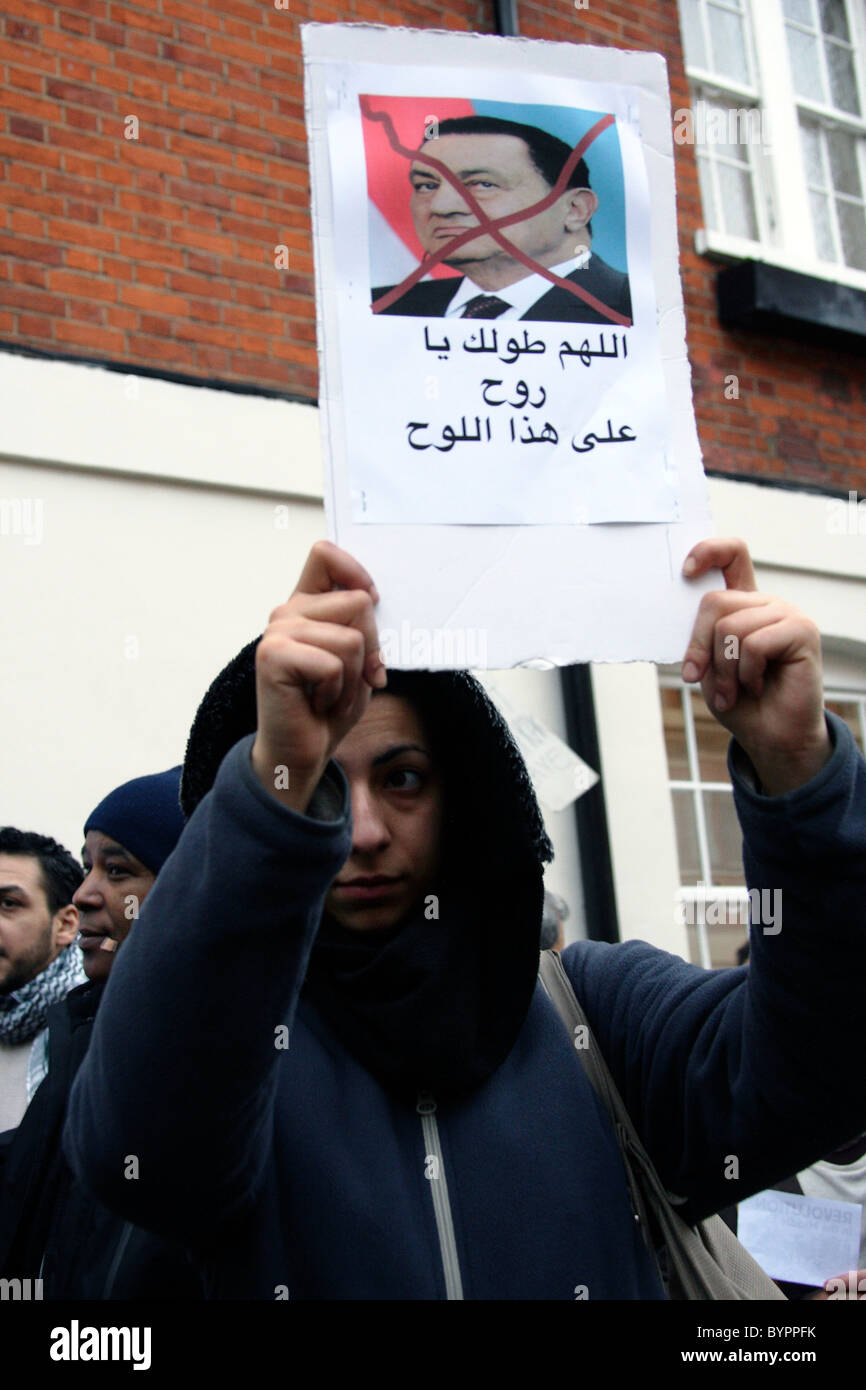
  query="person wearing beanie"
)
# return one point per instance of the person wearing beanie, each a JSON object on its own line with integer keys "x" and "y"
{"x": 51, "y": 1228}
{"x": 127, "y": 839}
{"x": 350, "y": 1084}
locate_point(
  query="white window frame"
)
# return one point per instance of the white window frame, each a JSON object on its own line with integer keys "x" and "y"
{"x": 851, "y": 697}
{"x": 786, "y": 233}
{"x": 735, "y": 896}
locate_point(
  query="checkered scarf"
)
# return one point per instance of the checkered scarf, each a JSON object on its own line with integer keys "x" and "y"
{"x": 22, "y": 1013}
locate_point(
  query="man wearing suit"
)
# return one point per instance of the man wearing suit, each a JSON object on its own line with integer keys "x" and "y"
{"x": 506, "y": 167}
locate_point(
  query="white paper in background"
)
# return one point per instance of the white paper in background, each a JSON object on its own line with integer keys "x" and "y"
{"x": 802, "y": 1240}
{"x": 501, "y": 422}
{"x": 547, "y": 586}
{"x": 558, "y": 774}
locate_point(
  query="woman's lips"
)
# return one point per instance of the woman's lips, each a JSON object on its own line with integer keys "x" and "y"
{"x": 364, "y": 890}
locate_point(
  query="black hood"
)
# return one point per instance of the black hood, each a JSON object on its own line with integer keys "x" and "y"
{"x": 487, "y": 773}
{"x": 481, "y": 958}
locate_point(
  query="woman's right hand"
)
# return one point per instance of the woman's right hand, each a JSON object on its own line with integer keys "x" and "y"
{"x": 316, "y": 666}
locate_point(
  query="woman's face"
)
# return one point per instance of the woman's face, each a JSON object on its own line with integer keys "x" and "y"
{"x": 108, "y": 901}
{"x": 396, "y": 793}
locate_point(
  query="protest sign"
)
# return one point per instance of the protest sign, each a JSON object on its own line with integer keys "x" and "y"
{"x": 504, "y": 387}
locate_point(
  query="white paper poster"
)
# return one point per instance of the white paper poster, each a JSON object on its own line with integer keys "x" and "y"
{"x": 509, "y": 440}
{"x": 481, "y": 421}
{"x": 802, "y": 1240}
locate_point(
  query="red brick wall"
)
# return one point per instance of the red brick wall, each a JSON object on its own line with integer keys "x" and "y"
{"x": 159, "y": 252}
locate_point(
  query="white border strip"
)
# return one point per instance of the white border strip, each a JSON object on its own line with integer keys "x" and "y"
{"x": 72, "y": 415}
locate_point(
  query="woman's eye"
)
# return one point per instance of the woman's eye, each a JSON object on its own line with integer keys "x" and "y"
{"x": 404, "y": 779}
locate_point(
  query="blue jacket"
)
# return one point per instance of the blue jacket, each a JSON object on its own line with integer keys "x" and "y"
{"x": 52, "y": 1230}
{"x": 292, "y": 1173}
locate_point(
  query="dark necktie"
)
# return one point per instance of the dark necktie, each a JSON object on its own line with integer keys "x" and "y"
{"x": 484, "y": 306}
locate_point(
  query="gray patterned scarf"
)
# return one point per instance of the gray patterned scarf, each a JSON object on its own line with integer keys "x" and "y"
{"x": 22, "y": 1013}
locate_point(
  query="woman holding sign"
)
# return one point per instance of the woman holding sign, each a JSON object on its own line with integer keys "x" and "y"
{"x": 350, "y": 1084}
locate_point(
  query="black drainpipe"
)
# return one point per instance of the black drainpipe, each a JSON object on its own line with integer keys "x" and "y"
{"x": 506, "y": 18}
{"x": 589, "y": 810}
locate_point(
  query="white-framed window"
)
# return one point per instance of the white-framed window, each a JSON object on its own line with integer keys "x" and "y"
{"x": 779, "y": 102}
{"x": 713, "y": 902}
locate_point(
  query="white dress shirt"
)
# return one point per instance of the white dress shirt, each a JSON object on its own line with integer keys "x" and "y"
{"x": 521, "y": 295}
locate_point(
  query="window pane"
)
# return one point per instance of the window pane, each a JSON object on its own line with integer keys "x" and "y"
{"x": 824, "y": 244}
{"x": 805, "y": 65}
{"x": 812, "y": 156}
{"x": 847, "y": 710}
{"x": 833, "y": 18}
{"x": 687, "y": 837}
{"x": 843, "y": 163}
{"x": 728, "y": 44}
{"x": 735, "y": 191}
{"x": 725, "y": 839}
{"x": 852, "y": 229}
{"x": 843, "y": 87}
{"x": 800, "y": 10}
{"x": 740, "y": 127}
{"x": 708, "y": 195}
{"x": 693, "y": 34}
{"x": 675, "y": 736}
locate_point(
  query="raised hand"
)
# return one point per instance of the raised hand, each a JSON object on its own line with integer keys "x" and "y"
{"x": 316, "y": 666}
{"x": 758, "y": 659}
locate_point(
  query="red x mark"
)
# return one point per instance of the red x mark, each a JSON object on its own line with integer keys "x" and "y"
{"x": 493, "y": 226}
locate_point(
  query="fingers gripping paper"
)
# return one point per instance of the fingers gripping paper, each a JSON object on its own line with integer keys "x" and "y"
{"x": 509, "y": 439}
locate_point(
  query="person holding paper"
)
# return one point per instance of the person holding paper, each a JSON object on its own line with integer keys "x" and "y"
{"x": 350, "y": 1084}
{"x": 839, "y": 1177}
{"x": 507, "y": 166}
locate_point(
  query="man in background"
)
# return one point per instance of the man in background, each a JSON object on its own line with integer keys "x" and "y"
{"x": 39, "y": 964}
{"x": 51, "y": 1229}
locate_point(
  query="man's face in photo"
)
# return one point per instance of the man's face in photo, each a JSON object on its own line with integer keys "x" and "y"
{"x": 499, "y": 172}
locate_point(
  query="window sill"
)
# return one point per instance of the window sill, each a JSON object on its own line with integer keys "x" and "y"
{"x": 800, "y": 300}
{"x": 732, "y": 249}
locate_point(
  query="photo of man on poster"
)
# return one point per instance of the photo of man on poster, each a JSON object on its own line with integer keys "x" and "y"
{"x": 506, "y": 166}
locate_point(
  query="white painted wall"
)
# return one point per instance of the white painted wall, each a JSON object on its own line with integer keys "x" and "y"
{"x": 640, "y": 817}
{"x": 69, "y": 414}
{"x": 115, "y": 624}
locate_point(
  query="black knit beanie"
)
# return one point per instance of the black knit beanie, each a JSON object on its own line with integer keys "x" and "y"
{"x": 144, "y": 816}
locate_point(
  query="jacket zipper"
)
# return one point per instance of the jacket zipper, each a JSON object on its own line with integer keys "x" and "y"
{"x": 426, "y": 1108}
{"x": 120, "y": 1251}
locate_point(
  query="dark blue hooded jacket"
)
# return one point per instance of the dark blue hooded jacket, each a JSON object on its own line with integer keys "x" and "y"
{"x": 293, "y": 1172}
